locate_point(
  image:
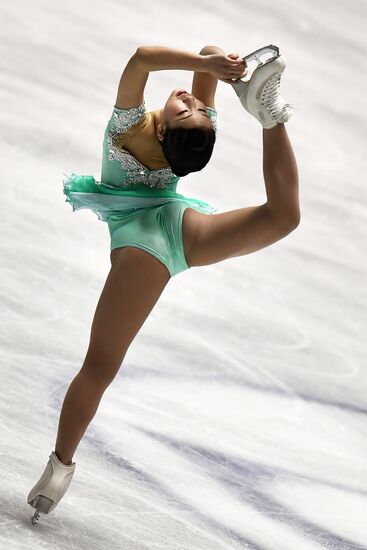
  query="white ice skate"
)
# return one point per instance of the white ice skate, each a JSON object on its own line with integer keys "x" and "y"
{"x": 51, "y": 487}
{"x": 259, "y": 93}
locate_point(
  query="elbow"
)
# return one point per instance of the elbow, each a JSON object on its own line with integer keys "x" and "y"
{"x": 139, "y": 55}
{"x": 140, "y": 51}
{"x": 286, "y": 220}
{"x": 209, "y": 50}
{"x": 293, "y": 220}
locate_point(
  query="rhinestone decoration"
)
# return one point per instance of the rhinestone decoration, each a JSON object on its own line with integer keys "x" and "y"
{"x": 212, "y": 113}
{"x": 135, "y": 172}
{"x": 123, "y": 119}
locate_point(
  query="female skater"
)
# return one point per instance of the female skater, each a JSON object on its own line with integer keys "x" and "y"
{"x": 156, "y": 232}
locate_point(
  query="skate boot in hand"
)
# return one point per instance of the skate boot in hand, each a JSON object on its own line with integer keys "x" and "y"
{"x": 260, "y": 94}
{"x": 51, "y": 487}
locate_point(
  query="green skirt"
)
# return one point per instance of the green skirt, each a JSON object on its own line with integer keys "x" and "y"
{"x": 144, "y": 218}
{"x": 104, "y": 200}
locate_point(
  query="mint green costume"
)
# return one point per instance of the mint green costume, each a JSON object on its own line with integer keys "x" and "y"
{"x": 139, "y": 204}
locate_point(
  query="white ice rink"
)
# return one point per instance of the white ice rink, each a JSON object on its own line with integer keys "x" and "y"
{"x": 238, "y": 417}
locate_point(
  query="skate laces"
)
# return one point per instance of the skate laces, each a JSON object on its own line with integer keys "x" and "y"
{"x": 271, "y": 100}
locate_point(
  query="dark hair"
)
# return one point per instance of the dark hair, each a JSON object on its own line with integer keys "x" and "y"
{"x": 187, "y": 149}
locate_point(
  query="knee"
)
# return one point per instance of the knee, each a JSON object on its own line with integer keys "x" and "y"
{"x": 101, "y": 366}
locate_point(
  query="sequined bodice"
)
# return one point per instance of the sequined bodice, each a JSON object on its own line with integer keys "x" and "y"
{"x": 119, "y": 167}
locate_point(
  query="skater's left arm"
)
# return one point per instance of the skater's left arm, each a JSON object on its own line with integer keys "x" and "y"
{"x": 159, "y": 58}
{"x": 151, "y": 58}
{"x": 156, "y": 58}
{"x": 132, "y": 84}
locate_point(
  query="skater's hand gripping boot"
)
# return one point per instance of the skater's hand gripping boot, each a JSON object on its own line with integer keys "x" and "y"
{"x": 51, "y": 487}
{"x": 224, "y": 67}
{"x": 260, "y": 94}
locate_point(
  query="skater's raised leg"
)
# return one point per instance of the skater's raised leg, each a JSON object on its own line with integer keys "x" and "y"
{"x": 214, "y": 238}
{"x": 211, "y": 239}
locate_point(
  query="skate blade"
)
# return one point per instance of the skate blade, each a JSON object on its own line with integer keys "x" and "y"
{"x": 42, "y": 504}
{"x": 262, "y": 56}
{"x": 35, "y": 517}
{"x": 257, "y": 59}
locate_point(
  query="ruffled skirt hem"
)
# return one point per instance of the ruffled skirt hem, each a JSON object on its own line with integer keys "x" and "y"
{"x": 85, "y": 192}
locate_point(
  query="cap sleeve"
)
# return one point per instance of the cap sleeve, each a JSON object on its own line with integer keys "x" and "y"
{"x": 123, "y": 120}
{"x": 212, "y": 113}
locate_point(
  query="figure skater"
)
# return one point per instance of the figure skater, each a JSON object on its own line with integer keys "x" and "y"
{"x": 156, "y": 232}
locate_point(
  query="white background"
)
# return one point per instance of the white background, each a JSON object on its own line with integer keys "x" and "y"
{"x": 238, "y": 417}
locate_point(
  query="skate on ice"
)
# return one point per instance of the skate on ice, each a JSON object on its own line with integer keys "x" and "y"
{"x": 51, "y": 487}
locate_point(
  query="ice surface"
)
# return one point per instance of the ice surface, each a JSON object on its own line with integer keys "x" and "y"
{"x": 238, "y": 417}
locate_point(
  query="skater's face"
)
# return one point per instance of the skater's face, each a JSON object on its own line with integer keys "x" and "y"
{"x": 184, "y": 110}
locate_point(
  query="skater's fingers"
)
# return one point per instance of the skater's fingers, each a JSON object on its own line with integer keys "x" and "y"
{"x": 238, "y": 61}
{"x": 241, "y": 61}
{"x": 240, "y": 66}
{"x": 238, "y": 73}
{"x": 226, "y": 67}
{"x": 229, "y": 80}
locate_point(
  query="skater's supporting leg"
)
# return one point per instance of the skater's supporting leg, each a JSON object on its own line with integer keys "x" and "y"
{"x": 133, "y": 286}
{"x": 80, "y": 405}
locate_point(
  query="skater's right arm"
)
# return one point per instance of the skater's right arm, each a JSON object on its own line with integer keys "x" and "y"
{"x": 204, "y": 85}
{"x": 158, "y": 58}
